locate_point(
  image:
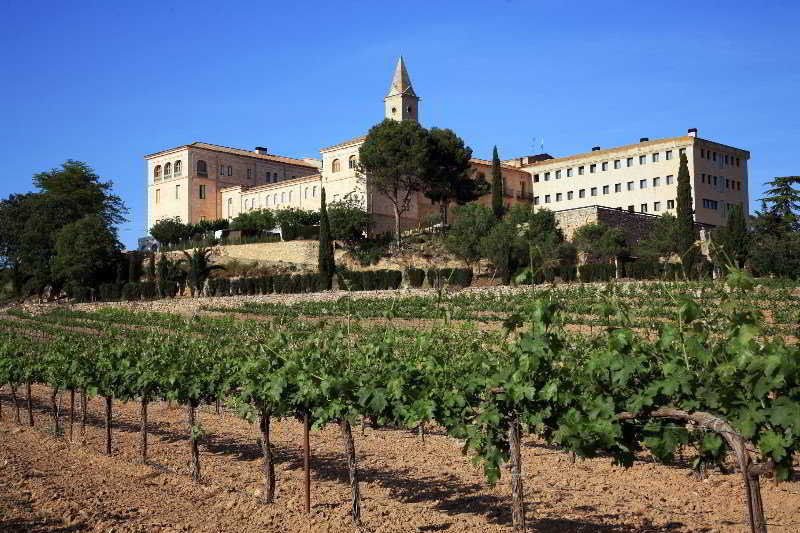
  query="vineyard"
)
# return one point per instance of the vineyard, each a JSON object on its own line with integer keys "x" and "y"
{"x": 702, "y": 376}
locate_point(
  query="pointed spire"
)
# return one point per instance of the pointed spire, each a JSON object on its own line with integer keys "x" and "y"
{"x": 401, "y": 81}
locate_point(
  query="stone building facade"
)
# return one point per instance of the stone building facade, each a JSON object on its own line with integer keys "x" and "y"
{"x": 202, "y": 181}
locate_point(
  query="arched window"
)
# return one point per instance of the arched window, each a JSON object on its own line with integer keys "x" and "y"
{"x": 230, "y": 170}
{"x": 283, "y": 197}
{"x": 178, "y": 167}
{"x": 246, "y": 202}
{"x": 230, "y": 207}
{"x": 335, "y": 166}
{"x": 314, "y": 192}
{"x": 202, "y": 169}
{"x": 306, "y": 194}
{"x": 351, "y": 163}
{"x": 274, "y": 199}
{"x": 168, "y": 169}
{"x": 157, "y": 171}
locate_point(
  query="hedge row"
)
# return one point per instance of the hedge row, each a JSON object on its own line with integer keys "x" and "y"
{"x": 651, "y": 269}
{"x": 449, "y": 277}
{"x": 371, "y": 280}
{"x": 600, "y": 272}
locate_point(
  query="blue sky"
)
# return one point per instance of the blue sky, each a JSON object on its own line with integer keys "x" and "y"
{"x": 108, "y": 82}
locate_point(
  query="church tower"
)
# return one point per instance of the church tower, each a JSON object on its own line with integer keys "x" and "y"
{"x": 401, "y": 103}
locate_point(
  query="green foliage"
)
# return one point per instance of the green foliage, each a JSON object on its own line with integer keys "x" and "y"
{"x": 348, "y": 221}
{"x": 199, "y": 267}
{"x": 86, "y": 252}
{"x": 685, "y": 232}
{"x": 596, "y": 272}
{"x": 325, "y": 264}
{"x": 396, "y": 155}
{"x": 732, "y": 242}
{"x": 293, "y": 220}
{"x": 782, "y": 201}
{"x": 447, "y": 178}
{"x": 499, "y": 246}
{"x": 471, "y": 222}
{"x": 662, "y": 240}
{"x": 253, "y": 221}
{"x": 169, "y": 231}
{"x": 416, "y": 277}
{"x": 498, "y": 207}
{"x": 600, "y": 242}
{"x": 449, "y": 277}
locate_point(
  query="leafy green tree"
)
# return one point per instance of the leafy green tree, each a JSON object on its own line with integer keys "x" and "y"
{"x": 447, "y": 175}
{"x": 86, "y": 252}
{"x": 348, "y": 221}
{"x": 198, "y": 268}
{"x": 783, "y": 200}
{"x": 170, "y": 231}
{"x": 135, "y": 269}
{"x": 292, "y": 219}
{"x": 662, "y": 240}
{"x": 733, "y": 241}
{"x": 500, "y": 247}
{"x": 395, "y": 156}
{"x": 326, "y": 262}
{"x": 685, "y": 232}
{"x": 600, "y": 242}
{"x": 471, "y": 223}
{"x": 538, "y": 233}
{"x": 254, "y": 221}
{"x": 497, "y": 186}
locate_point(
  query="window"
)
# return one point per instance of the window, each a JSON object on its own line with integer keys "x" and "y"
{"x": 569, "y": 195}
{"x": 670, "y": 204}
{"x": 547, "y": 198}
{"x": 738, "y": 185}
{"x": 656, "y": 206}
{"x": 335, "y": 166}
{"x": 727, "y": 183}
{"x": 631, "y": 209}
{"x": 630, "y": 185}
{"x": 702, "y": 178}
{"x": 668, "y": 155}
{"x": 606, "y": 189}
{"x": 629, "y": 162}
{"x": 558, "y": 197}
{"x": 546, "y": 176}
{"x": 314, "y": 192}
{"x": 715, "y": 180}
{"x": 535, "y": 200}
{"x": 202, "y": 168}
{"x": 642, "y": 184}
{"x": 305, "y": 195}
{"x": 669, "y": 180}
{"x": 246, "y": 203}
{"x": 644, "y": 208}
{"x": 221, "y": 170}
{"x": 580, "y": 171}
{"x": 177, "y": 192}
{"x": 158, "y": 196}
{"x": 617, "y": 187}
{"x": 737, "y": 161}
{"x": 178, "y": 168}
{"x": 710, "y": 204}
{"x": 558, "y": 174}
{"x": 157, "y": 172}
{"x": 203, "y": 192}
{"x": 290, "y": 196}
{"x": 230, "y": 170}
{"x": 617, "y": 164}
{"x": 702, "y": 153}
{"x": 202, "y": 218}
{"x": 167, "y": 169}
{"x": 656, "y": 182}
{"x": 275, "y": 199}
{"x": 351, "y": 162}
{"x": 283, "y": 197}
{"x": 604, "y": 166}
{"x": 249, "y": 173}
{"x": 569, "y": 172}
{"x": 266, "y": 201}
{"x": 582, "y": 193}
{"x": 714, "y": 156}
{"x": 536, "y": 178}
{"x": 593, "y": 191}
{"x": 642, "y": 159}
{"x": 655, "y": 157}
{"x": 592, "y": 168}
{"x": 726, "y": 159}
{"x": 230, "y": 207}
{"x": 682, "y": 151}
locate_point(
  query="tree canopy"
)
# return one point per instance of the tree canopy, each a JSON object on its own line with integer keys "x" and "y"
{"x": 447, "y": 176}
{"x": 86, "y": 252}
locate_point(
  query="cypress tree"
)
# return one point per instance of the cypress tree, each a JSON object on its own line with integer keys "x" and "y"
{"x": 497, "y": 186}
{"x": 685, "y": 234}
{"x": 326, "y": 263}
{"x": 735, "y": 237}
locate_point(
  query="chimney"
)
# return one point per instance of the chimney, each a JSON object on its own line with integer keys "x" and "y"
{"x": 260, "y": 150}
{"x": 692, "y": 132}
{"x": 595, "y": 148}
{"x": 644, "y": 140}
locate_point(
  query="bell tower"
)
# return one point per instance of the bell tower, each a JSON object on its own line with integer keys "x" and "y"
{"x": 401, "y": 103}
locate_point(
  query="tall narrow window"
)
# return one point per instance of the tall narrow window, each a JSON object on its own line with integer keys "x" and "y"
{"x": 230, "y": 170}
{"x": 335, "y": 166}
{"x": 351, "y": 163}
{"x": 203, "y": 192}
{"x": 167, "y": 169}
{"x": 158, "y": 196}
{"x": 230, "y": 207}
{"x": 249, "y": 173}
{"x": 178, "y": 167}
{"x": 655, "y": 157}
{"x": 157, "y": 172}
{"x": 221, "y": 170}
{"x": 177, "y": 192}
{"x": 202, "y": 168}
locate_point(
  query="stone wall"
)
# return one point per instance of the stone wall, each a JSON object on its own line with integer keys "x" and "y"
{"x": 636, "y": 226}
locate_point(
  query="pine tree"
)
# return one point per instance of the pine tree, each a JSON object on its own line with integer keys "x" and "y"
{"x": 685, "y": 234}
{"x": 326, "y": 262}
{"x": 784, "y": 200}
{"x": 497, "y": 186}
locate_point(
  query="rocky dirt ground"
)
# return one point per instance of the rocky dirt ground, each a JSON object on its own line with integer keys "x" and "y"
{"x": 48, "y": 484}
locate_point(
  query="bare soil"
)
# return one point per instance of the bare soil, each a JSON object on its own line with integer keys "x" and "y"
{"x": 48, "y": 484}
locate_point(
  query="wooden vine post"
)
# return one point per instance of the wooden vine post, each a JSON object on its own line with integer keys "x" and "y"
{"x": 517, "y": 492}
{"x": 268, "y": 467}
{"x": 16, "y": 404}
{"x": 352, "y": 467}
{"x": 71, "y": 412}
{"x": 108, "y": 425}
{"x": 307, "y": 462}
{"x": 143, "y": 431}
{"x": 195, "y": 450}
{"x": 30, "y": 403}
{"x": 83, "y": 416}
{"x": 750, "y": 472}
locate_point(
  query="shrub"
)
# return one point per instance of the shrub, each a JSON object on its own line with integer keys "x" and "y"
{"x": 148, "y": 290}
{"x": 169, "y": 289}
{"x": 109, "y": 292}
{"x": 352, "y": 280}
{"x": 416, "y": 277}
{"x": 251, "y": 286}
{"x": 79, "y": 293}
{"x": 643, "y": 269}
{"x": 310, "y": 282}
{"x": 568, "y": 272}
{"x": 595, "y": 272}
{"x": 223, "y": 287}
{"x": 131, "y": 291}
{"x": 394, "y": 278}
{"x": 265, "y": 284}
{"x": 369, "y": 280}
{"x": 452, "y": 277}
{"x": 295, "y": 283}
